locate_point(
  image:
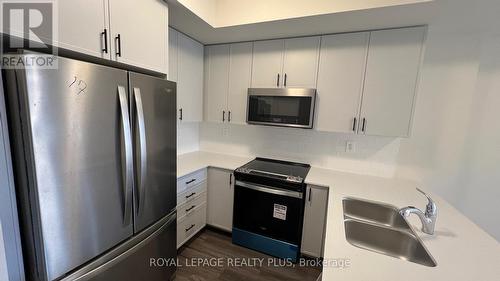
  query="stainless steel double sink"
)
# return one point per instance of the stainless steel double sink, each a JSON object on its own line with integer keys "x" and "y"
{"x": 379, "y": 227}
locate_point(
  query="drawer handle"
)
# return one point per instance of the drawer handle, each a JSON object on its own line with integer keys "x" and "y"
{"x": 190, "y": 181}
{"x": 189, "y": 228}
{"x": 190, "y": 195}
{"x": 190, "y": 208}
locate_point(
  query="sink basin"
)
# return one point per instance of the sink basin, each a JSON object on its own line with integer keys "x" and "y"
{"x": 380, "y": 228}
{"x": 374, "y": 212}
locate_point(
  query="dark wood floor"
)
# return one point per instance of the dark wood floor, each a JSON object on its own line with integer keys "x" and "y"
{"x": 211, "y": 244}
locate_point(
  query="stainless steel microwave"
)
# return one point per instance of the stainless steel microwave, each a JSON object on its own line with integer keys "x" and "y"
{"x": 285, "y": 107}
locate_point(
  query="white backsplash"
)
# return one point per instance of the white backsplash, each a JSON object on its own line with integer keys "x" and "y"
{"x": 373, "y": 155}
{"x": 188, "y": 137}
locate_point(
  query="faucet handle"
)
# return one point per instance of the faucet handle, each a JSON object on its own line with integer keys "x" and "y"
{"x": 431, "y": 208}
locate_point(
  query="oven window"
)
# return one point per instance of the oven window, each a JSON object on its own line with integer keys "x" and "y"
{"x": 275, "y": 216}
{"x": 279, "y": 109}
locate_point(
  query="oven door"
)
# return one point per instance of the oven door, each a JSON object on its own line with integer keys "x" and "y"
{"x": 281, "y": 107}
{"x": 270, "y": 212}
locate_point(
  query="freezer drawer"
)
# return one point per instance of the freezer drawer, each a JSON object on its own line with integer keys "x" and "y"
{"x": 139, "y": 261}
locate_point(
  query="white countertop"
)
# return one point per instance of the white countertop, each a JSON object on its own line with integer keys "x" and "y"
{"x": 462, "y": 250}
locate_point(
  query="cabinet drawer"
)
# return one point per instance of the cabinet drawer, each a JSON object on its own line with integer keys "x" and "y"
{"x": 190, "y": 207}
{"x": 191, "y": 180}
{"x": 190, "y": 224}
{"x": 191, "y": 193}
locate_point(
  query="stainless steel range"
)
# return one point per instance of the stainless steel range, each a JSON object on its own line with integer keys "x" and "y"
{"x": 269, "y": 206}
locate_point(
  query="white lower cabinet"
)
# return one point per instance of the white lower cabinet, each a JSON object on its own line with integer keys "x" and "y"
{"x": 191, "y": 205}
{"x": 313, "y": 233}
{"x": 220, "y": 198}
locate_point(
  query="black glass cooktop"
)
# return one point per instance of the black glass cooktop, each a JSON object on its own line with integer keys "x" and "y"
{"x": 284, "y": 170}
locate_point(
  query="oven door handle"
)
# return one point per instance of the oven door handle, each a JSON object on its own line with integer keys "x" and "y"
{"x": 268, "y": 189}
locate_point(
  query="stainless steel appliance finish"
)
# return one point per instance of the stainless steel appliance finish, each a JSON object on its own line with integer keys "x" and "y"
{"x": 153, "y": 101}
{"x": 131, "y": 260}
{"x": 285, "y": 107}
{"x": 380, "y": 228}
{"x": 74, "y": 161}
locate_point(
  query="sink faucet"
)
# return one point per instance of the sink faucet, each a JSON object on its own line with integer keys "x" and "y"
{"x": 428, "y": 218}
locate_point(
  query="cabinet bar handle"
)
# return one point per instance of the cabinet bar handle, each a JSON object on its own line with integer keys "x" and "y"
{"x": 354, "y": 124}
{"x": 310, "y": 194}
{"x": 190, "y": 195}
{"x": 190, "y": 181}
{"x": 119, "y": 45}
{"x": 230, "y": 179}
{"x": 190, "y": 208}
{"x": 189, "y": 228}
{"x": 278, "y": 81}
{"x": 104, "y": 34}
{"x": 180, "y": 114}
{"x": 223, "y": 116}
{"x": 284, "y": 80}
{"x": 363, "y": 127}
{"x": 229, "y": 116}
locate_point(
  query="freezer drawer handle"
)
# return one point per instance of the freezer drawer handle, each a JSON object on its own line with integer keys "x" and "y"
{"x": 142, "y": 181}
{"x": 190, "y": 181}
{"x": 127, "y": 135}
{"x": 189, "y": 228}
{"x": 190, "y": 208}
{"x": 190, "y": 195}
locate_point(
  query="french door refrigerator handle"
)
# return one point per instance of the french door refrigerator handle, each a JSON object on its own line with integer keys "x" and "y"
{"x": 143, "y": 149}
{"x": 127, "y": 135}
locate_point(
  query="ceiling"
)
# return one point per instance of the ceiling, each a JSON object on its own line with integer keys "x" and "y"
{"x": 223, "y": 21}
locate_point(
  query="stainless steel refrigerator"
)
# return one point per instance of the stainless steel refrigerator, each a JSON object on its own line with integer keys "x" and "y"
{"x": 95, "y": 171}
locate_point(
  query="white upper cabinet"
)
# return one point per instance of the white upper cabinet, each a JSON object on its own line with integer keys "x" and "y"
{"x": 285, "y": 63}
{"x": 173, "y": 55}
{"x": 190, "y": 79}
{"x": 390, "y": 84}
{"x": 240, "y": 74}
{"x": 139, "y": 33}
{"x": 300, "y": 62}
{"x": 340, "y": 81}
{"x": 267, "y": 63}
{"x": 84, "y": 27}
{"x": 228, "y": 70}
{"x": 217, "y": 66}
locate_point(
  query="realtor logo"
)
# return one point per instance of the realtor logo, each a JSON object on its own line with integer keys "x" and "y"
{"x": 32, "y": 26}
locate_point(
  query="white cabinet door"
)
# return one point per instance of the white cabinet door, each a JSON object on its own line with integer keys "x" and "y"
{"x": 84, "y": 26}
{"x": 300, "y": 67}
{"x": 190, "y": 79}
{"x": 340, "y": 81}
{"x": 390, "y": 84}
{"x": 267, "y": 64}
{"x": 142, "y": 28}
{"x": 217, "y": 83}
{"x": 313, "y": 233}
{"x": 220, "y": 198}
{"x": 240, "y": 74}
{"x": 173, "y": 54}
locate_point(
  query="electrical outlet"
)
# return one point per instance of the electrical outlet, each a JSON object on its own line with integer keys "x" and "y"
{"x": 350, "y": 147}
{"x": 225, "y": 131}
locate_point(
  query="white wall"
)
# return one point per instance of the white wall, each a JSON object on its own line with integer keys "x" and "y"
{"x": 374, "y": 155}
{"x": 455, "y": 147}
{"x": 188, "y": 138}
